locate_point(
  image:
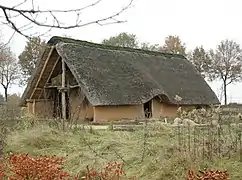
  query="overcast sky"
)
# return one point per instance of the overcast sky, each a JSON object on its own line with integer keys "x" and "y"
{"x": 197, "y": 22}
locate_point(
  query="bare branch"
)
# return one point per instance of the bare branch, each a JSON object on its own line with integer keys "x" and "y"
{"x": 8, "y": 68}
{"x": 11, "y": 37}
{"x": 75, "y": 25}
{"x": 10, "y": 22}
{"x": 14, "y": 9}
{"x": 227, "y": 64}
{"x": 30, "y": 15}
{"x": 19, "y": 4}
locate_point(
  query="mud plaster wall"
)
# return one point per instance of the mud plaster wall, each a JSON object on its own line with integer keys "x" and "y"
{"x": 78, "y": 110}
{"x": 41, "y": 109}
{"x": 44, "y": 109}
{"x": 166, "y": 110}
{"x": 112, "y": 113}
{"x": 30, "y": 108}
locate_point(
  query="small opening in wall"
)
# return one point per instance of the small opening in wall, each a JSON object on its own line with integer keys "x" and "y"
{"x": 198, "y": 107}
{"x": 58, "y": 105}
{"x": 67, "y": 105}
{"x": 148, "y": 109}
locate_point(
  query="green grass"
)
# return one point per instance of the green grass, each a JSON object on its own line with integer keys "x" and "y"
{"x": 95, "y": 148}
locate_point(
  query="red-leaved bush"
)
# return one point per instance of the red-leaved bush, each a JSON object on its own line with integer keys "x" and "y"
{"x": 208, "y": 174}
{"x": 112, "y": 171}
{"x": 2, "y": 173}
{"x": 24, "y": 166}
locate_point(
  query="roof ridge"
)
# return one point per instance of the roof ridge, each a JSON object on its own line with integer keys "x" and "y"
{"x": 57, "y": 39}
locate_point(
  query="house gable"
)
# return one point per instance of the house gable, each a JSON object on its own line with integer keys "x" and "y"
{"x": 44, "y": 95}
{"x": 47, "y": 77}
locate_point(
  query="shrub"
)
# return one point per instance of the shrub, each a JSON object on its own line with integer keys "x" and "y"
{"x": 23, "y": 166}
{"x": 112, "y": 171}
{"x": 208, "y": 174}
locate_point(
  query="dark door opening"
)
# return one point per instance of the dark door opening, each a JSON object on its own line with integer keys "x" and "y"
{"x": 148, "y": 109}
{"x": 58, "y": 105}
{"x": 67, "y": 106}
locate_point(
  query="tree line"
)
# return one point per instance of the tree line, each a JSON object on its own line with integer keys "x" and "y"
{"x": 221, "y": 63}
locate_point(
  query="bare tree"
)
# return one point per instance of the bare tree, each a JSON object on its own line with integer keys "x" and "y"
{"x": 34, "y": 17}
{"x": 226, "y": 64}
{"x": 8, "y": 69}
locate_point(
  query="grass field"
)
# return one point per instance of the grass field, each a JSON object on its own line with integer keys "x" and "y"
{"x": 148, "y": 153}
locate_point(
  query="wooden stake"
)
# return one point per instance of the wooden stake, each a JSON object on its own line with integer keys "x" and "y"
{"x": 63, "y": 95}
{"x": 33, "y": 106}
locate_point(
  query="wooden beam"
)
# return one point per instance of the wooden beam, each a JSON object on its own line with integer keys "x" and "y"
{"x": 28, "y": 107}
{"x": 63, "y": 95}
{"x": 33, "y": 110}
{"x": 51, "y": 72}
{"x": 38, "y": 89}
{"x": 51, "y": 87}
{"x": 60, "y": 87}
{"x": 37, "y": 100}
{"x": 43, "y": 69}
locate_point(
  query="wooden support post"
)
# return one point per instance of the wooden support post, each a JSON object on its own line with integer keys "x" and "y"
{"x": 63, "y": 95}
{"x": 28, "y": 108}
{"x": 33, "y": 107}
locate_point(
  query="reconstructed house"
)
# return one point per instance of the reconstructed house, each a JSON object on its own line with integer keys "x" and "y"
{"x": 82, "y": 80}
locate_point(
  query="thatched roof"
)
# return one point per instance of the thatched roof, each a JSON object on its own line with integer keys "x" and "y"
{"x": 120, "y": 76}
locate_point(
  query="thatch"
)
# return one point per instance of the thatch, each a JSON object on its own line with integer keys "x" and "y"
{"x": 121, "y": 76}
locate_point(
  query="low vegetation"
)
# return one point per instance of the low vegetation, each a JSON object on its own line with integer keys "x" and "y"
{"x": 153, "y": 151}
{"x": 23, "y": 166}
{"x": 208, "y": 174}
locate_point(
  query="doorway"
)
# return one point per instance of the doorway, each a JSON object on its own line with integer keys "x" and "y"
{"x": 58, "y": 105}
{"x": 148, "y": 109}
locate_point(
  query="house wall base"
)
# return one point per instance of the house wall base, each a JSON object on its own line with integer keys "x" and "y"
{"x": 79, "y": 111}
{"x": 101, "y": 114}
{"x": 114, "y": 113}
{"x": 41, "y": 109}
{"x": 167, "y": 110}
